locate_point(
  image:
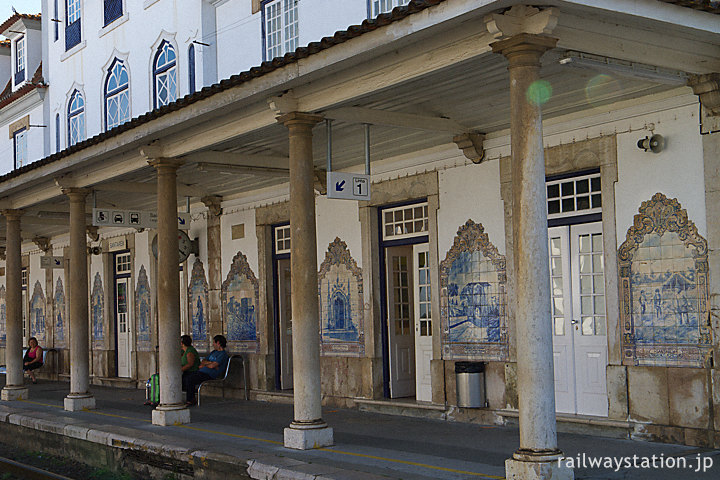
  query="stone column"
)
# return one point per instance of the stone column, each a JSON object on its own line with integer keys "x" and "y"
{"x": 80, "y": 397}
{"x": 308, "y": 429}
{"x": 172, "y": 409}
{"x": 538, "y": 453}
{"x": 14, "y": 387}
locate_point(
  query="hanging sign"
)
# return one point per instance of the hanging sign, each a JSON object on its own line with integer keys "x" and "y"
{"x": 48, "y": 262}
{"x": 107, "y": 217}
{"x": 348, "y": 186}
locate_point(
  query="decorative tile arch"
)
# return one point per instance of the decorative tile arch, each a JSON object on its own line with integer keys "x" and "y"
{"x": 37, "y": 313}
{"x": 97, "y": 308}
{"x": 240, "y": 300}
{"x": 473, "y": 298}
{"x": 340, "y": 287}
{"x": 59, "y": 314}
{"x": 142, "y": 307}
{"x": 198, "y": 302}
{"x": 663, "y": 267}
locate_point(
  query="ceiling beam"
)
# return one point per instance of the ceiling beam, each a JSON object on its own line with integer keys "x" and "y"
{"x": 396, "y": 119}
{"x": 239, "y": 159}
{"x": 148, "y": 188}
{"x": 230, "y": 169}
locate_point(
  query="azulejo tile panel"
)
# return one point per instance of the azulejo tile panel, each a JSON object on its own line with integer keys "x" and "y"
{"x": 198, "y": 298}
{"x": 142, "y": 307}
{"x": 97, "y": 307}
{"x": 340, "y": 288}
{"x": 59, "y": 314}
{"x": 37, "y": 313}
{"x": 240, "y": 300}
{"x": 3, "y": 317}
{"x": 473, "y": 299}
{"x": 664, "y": 288}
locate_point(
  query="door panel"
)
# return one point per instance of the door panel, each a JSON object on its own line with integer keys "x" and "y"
{"x": 423, "y": 322}
{"x": 122, "y": 315}
{"x": 401, "y": 337}
{"x": 285, "y": 310}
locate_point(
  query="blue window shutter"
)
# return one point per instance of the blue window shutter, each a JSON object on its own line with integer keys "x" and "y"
{"x": 113, "y": 10}
{"x": 56, "y": 28}
{"x": 57, "y": 132}
{"x": 191, "y": 68}
{"x": 72, "y": 34}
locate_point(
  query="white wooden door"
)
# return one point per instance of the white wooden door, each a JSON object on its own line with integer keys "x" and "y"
{"x": 122, "y": 315}
{"x": 285, "y": 323}
{"x": 401, "y": 338}
{"x": 578, "y": 319}
{"x": 423, "y": 322}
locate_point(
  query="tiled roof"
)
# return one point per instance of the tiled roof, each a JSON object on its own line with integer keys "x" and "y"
{"x": 10, "y": 21}
{"x": 398, "y": 13}
{"x": 712, "y": 6}
{"x": 37, "y": 81}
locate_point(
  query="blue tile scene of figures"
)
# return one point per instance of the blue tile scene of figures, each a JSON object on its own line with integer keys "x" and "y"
{"x": 37, "y": 313}
{"x": 3, "y": 316}
{"x": 59, "y": 313}
{"x": 142, "y": 299}
{"x": 339, "y": 324}
{"x": 240, "y": 313}
{"x": 97, "y": 304}
{"x": 198, "y": 295}
{"x": 240, "y": 294}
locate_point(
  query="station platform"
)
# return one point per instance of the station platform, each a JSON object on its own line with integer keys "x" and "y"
{"x": 243, "y": 439}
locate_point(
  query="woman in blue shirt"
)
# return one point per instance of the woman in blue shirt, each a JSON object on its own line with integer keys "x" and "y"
{"x": 210, "y": 368}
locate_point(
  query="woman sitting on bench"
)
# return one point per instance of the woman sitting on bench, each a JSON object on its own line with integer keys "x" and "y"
{"x": 33, "y": 358}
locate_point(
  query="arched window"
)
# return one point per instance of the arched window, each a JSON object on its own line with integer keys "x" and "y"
{"x": 191, "y": 68}
{"x": 165, "y": 75}
{"x": 117, "y": 95}
{"x": 76, "y": 119}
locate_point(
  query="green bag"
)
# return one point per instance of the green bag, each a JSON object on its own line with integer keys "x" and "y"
{"x": 152, "y": 390}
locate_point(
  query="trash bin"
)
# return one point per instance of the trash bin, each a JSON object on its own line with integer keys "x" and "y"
{"x": 470, "y": 380}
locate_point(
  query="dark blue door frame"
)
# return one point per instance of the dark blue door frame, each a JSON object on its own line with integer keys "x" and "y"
{"x": 276, "y": 301}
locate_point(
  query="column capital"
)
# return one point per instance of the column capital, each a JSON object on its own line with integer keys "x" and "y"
{"x": 522, "y": 19}
{"x": 212, "y": 202}
{"x": 299, "y": 118}
{"x": 524, "y": 49}
{"x": 75, "y": 193}
{"x": 165, "y": 163}
{"x": 13, "y": 213}
{"x": 707, "y": 88}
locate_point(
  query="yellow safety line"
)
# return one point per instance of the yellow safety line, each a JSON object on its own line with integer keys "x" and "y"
{"x": 256, "y": 439}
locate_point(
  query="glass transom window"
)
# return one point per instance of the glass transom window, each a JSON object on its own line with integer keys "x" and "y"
{"x": 282, "y": 239}
{"x": 574, "y": 196}
{"x": 281, "y": 27}
{"x": 405, "y": 222}
{"x": 76, "y": 119}
{"x": 117, "y": 97}
{"x": 21, "y": 147}
{"x": 122, "y": 263}
{"x": 165, "y": 75}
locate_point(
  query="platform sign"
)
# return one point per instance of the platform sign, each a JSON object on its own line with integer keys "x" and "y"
{"x": 107, "y": 217}
{"x": 49, "y": 262}
{"x": 348, "y": 186}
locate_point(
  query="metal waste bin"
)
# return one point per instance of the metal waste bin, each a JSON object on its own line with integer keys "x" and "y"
{"x": 470, "y": 380}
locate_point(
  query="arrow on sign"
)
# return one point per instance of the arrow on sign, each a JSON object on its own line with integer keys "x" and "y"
{"x": 181, "y": 220}
{"x": 340, "y": 186}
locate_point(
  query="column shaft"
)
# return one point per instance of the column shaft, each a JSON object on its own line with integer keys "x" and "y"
{"x": 13, "y": 308}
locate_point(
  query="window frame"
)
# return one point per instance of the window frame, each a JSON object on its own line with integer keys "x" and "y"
{"x": 371, "y": 6}
{"x": 19, "y": 134}
{"x": 56, "y": 21}
{"x": 77, "y": 113}
{"x": 20, "y": 60}
{"x": 117, "y": 92}
{"x": 191, "y": 69}
{"x": 73, "y": 21}
{"x": 283, "y": 46}
{"x": 166, "y": 69}
{"x": 107, "y": 21}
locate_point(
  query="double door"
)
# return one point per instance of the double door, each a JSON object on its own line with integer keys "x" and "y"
{"x": 578, "y": 319}
{"x": 409, "y": 320}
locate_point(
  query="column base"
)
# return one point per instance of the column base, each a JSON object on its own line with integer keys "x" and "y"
{"x": 14, "y": 393}
{"x": 170, "y": 414}
{"x": 305, "y": 437}
{"x": 76, "y": 402}
{"x": 541, "y": 468}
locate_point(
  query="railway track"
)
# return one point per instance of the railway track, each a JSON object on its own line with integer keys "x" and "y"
{"x": 27, "y": 472}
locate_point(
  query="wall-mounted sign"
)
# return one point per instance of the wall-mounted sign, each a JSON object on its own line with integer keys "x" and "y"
{"x": 48, "y": 262}
{"x": 107, "y": 217}
{"x": 348, "y": 186}
{"x": 117, "y": 244}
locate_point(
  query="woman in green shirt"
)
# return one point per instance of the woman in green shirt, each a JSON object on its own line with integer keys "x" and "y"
{"x": 190, "y": 359}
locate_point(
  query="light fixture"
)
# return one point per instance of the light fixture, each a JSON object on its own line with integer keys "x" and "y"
{"x": 625, "y": 68}
{"x": 654, "y": 144}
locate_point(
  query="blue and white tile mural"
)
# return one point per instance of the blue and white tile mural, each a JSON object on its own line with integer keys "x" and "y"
{"x": 473, "y": 298}
{"x": 59, "y": 314}
{"x": 142, "y": 307}
{"x": 240, "y": 300}
{"x": 198, "y": 300}
{"x": 37, "y": 313}
{"x": 97, "y": 308}
{"x": 663, "y": 280}
{"x": 341, "y": 303}
{"x": 3, "y": 317}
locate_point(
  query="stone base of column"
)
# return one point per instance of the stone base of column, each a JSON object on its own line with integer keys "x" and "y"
{"x": 537, "y": 467}
{"x": 170, "y": 414}
{"x": 76, "y": 402}
{"x": 14, "y": 393}
{"x": 305, "y": 437}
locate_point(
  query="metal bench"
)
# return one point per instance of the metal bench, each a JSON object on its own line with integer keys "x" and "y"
{"x": 235, "y": 366}
{"x": 3, "y": 369}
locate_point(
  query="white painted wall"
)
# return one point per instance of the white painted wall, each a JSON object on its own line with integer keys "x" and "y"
{"x": 247, "y": 245}
{"x": 337, "y": 218}
{"x": 470, "y": 192}
{"x": 677, "y": 171}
